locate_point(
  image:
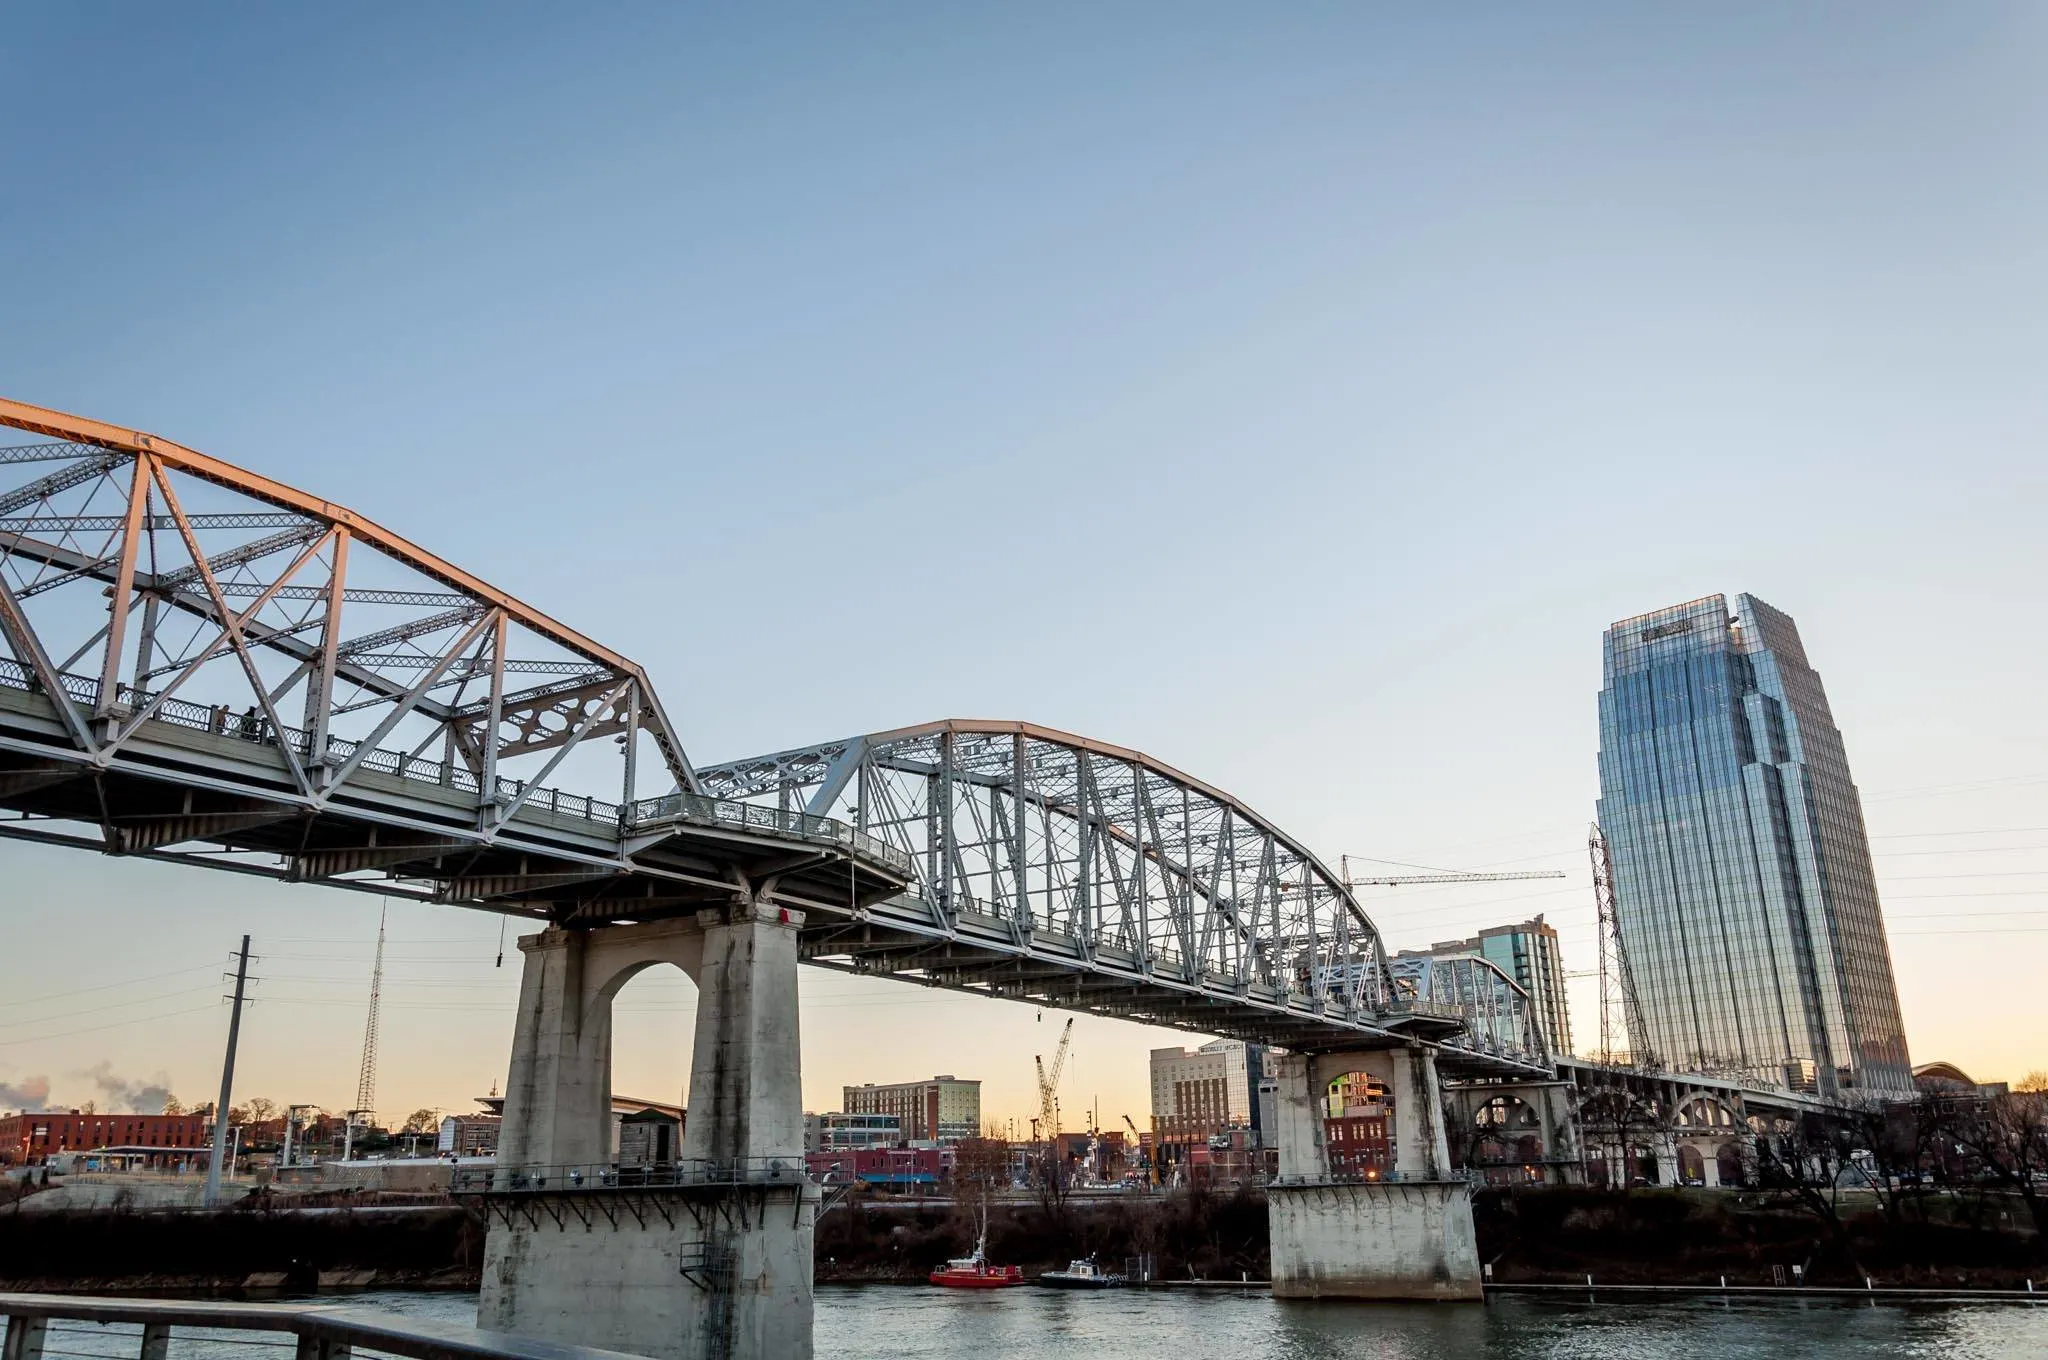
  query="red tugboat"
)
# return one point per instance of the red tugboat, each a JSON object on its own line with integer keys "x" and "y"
{"x": 974, "y": 1272}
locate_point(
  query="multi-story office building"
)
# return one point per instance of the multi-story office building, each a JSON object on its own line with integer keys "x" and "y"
{"x": 942, "y": 1110}
{"x": 1528, "y": 953}
{"x": 1746, "y": 899}
{"x": 1207, "y": 1091}
{"x": 835, "y": 1131}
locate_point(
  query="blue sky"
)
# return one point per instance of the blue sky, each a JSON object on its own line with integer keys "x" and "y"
{"x": 1293, "y": 394}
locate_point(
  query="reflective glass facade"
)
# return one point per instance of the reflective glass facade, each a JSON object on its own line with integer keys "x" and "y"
{"x": 1747, "y": 903}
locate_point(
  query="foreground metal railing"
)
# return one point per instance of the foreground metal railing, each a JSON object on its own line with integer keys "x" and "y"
{"x": 58, "y": 1325}
{"x": 536, "y": 1180}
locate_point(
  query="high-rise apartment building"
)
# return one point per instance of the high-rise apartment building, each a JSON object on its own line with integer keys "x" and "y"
{"x": 1747, "y": 903}
{"x": 1199, "y": 1093}
{"x": 942, "y": 1110}
{"x": 1528, "y": 953}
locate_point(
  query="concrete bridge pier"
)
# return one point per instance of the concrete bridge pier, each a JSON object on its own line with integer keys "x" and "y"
{"x": 1408, "y": 1235}
{"x": 707, "y": 1257}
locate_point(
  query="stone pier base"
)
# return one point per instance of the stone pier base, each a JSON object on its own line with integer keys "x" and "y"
{"x": 1398, "y": 1240}
{"x": 697, "y": 1273}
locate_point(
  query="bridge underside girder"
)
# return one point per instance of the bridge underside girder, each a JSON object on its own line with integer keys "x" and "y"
{"x": 212, "y": 800}
{"x": 873, "y": 947}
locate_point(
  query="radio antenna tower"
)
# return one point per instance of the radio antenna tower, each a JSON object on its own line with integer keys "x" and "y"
{"x": 1617, "y": 983}
{"x": 366, "y": 1080}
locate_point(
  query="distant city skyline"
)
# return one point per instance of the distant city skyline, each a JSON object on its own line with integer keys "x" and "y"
{"x": 1293, "y": 396}
{"x": 1748, "y": 906}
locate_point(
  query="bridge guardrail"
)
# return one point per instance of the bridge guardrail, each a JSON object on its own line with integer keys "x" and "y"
{"x": 45, "y": 1325}
{"x": 689, "y": 807}
{"x": 697, "y": 808}
{"x": 600, "y": 1176}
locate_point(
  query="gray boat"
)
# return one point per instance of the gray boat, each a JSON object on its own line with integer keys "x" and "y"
{"x": 1082, "y": 1274}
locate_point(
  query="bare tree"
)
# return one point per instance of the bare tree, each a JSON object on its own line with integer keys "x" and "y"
{"x": 1052, "y": 1180}
{"x": 422, "y": 1121}
{"x": 261, "y": 1110}
{"x": 981, "y": 1167}
{"x": 2008, "y": 1134}
{"x": 1807, "y": 1161}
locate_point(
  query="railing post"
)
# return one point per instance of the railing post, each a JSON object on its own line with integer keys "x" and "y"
{"x": 25, "y": 1337}
{"x": 156, "y": 1340}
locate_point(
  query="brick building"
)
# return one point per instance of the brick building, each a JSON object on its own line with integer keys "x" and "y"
{"x": 1358, "y": 1127}
{"x": 942, "y": 1110}
{"x": 27, "y": 1139}
{"x": 896, "y": 1168}
{"x": 469, "y": 1135}
{"x": 1205, "y": 1096}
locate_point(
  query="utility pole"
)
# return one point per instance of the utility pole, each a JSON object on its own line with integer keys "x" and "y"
{"x": 227, "y": 1081}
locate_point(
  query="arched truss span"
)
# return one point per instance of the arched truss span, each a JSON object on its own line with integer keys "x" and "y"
{"x": 198, "y": 662}
{"x": 202, "y": 664}
{"x": 1496, "y": 1010}
{"x": 1052, "y": 867}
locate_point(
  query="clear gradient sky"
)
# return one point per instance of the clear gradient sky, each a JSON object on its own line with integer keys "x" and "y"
{"x": 1291, "y": 392}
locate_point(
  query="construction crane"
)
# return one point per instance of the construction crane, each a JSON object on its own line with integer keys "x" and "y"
{"x": 1448, "y": 876}
{"x": 1617, "y": 983}
{"x": 1048, "y": 1085}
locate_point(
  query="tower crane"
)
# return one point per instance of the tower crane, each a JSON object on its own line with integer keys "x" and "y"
{"x": 1448, "y": 876}
{"x": 1048, "y": 1085}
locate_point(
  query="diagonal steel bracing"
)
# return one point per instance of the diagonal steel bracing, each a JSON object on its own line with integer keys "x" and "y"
{"x": 1078, "y": 873}
{"x": 204, "y": 666}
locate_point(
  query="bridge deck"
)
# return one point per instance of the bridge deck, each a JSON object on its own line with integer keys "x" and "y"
{"x": 200, "y": 791}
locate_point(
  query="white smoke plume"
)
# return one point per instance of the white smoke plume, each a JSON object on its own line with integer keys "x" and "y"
{"x": 31, "y": 1093}
{"x": 122, "y": 1096}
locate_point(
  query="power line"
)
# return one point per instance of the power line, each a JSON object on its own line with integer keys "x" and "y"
{"x": 70, "y": 992}
{"x": 1988, "y": 831}
{"x": 118, "y": 1024}
{"x": 110, "y": 1006}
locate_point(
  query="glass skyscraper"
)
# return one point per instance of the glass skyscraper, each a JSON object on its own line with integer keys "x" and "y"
{"x": 1746, "y": 899}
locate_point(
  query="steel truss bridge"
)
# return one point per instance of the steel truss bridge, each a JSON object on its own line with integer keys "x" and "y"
{"x": 208, "y": 667}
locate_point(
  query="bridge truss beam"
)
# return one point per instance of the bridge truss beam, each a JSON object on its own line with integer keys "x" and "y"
{"x": 201, "y": 664}
{"x": 1052, "y": 868}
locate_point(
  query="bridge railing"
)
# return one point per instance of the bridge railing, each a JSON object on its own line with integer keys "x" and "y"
{"x": 693, "y": 808}
{"x": 697, "y": 808}
{"x": 52, "y": 1325}
{"x": 600, "y": 1176}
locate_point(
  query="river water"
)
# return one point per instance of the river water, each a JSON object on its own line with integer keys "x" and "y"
{"x": 910, "y": 1323}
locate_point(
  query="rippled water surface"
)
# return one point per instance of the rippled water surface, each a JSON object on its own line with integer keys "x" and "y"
{"x": 907, "y": 1323}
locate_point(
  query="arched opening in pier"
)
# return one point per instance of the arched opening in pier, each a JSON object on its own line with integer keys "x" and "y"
{"x": 1505, "y": 1141}
{"x": 1358, "y": 1127}
{"x": 1692, "y": 1167}
{"x": 653, "y": 1032}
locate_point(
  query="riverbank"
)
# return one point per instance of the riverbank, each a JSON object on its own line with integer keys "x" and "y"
{"x": 240, "y": 1253}
{"x": 1555, "y": 1236}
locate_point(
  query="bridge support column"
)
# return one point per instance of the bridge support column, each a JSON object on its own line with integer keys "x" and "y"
{"x": 1667, "y": 1160}
{"x": 1564, "y": 1154}
{"x": 708, "y": 1256}
{"x": 1406, "y": 1236}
